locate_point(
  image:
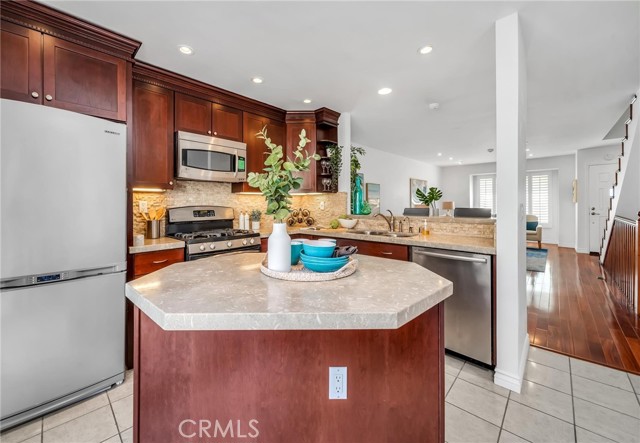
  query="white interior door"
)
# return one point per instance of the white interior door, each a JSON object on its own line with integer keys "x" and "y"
{"x": 601, "y": 179}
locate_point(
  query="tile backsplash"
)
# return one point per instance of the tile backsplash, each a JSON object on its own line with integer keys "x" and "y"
{"x": 191, "y": 193}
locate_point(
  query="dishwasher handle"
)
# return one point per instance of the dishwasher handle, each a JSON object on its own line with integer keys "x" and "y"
{"x": 452, "y": 257}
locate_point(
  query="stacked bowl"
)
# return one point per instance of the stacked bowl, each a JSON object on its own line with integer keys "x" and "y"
{"x": 317, "y": 255}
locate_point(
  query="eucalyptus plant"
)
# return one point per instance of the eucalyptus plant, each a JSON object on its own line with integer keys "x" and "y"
{"x": 278, "y": 180}
{"x": 430, "y": 198}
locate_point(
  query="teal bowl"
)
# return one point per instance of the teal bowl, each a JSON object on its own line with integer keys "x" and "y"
{"x": 296, "y": 249}
{"x": 323, "y": 260}
{"x": 322, "y": 267}
{"x": 318, "y": 248}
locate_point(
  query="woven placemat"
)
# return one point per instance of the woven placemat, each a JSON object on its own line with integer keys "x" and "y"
{"x": 300, "y": 273}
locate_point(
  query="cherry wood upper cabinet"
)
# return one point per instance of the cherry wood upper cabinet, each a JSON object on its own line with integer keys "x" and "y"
{"x": 256, "y": 149}
{"x": 296, "y": 122}
{"x": 227, "y": 122}
{"x": 84, "y": 80}
{"x": 193, "y": 114}
{"x": 152, "y": 136}
{"x": 21, "y": 63}
{"x": 204, "y": 117}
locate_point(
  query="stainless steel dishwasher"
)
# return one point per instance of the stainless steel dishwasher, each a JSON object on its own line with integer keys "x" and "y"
{"x": 468, "y": 313}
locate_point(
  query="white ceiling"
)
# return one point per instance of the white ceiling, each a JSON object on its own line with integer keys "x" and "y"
{"x": 583, "y": 64}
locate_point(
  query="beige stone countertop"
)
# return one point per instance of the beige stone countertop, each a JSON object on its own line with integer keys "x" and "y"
{"x": 205, "y": 295}
{"x": 157, "y": 244}
{"x": 440, "y": 219}
{"x": 478, "y": 245}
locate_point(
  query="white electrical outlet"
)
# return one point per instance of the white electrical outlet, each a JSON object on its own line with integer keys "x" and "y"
{"x": 322, "y": 205}
{"x": 142, "y": 206}
{"x": 337, "y": 383}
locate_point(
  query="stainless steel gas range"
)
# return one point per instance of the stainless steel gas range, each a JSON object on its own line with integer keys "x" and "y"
{"x": 208, "y": 230}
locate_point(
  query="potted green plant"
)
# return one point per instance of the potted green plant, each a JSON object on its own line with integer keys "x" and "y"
{"x": 430, "y": 198}
{"x": 255, "y": 219}
{"x": 335, "y": 163}
{"x": 276, "y": 183}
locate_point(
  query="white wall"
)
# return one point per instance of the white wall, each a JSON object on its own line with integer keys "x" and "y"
{"x": 584, "y": 159}
{"x": 455, "y": 183}
{"x": 393, "y": 172}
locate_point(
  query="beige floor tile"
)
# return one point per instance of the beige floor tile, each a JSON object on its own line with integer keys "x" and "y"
{"x": 127, "y": 436}
{"x": 536, "y": 426}
{"x": 34, "y": 439}
{"x": 546, "y": 400}
{"x": 22, "y": 432}
{"x": 603, "y": 421}
{"x": 124, "y": 390}
{"x": 584, "y": 436}
{"x": 448, "y": 382}
{"x": 635, "y": 381}
{"x": 606, "y": 395}
{"x": 549, "y": 377}
{"x": 462, "y": 427}
{"x": 114, "y": 439}
{"x": 123, "y": 410}
{"x": 452, "y": 365}
{"x": 75, "y": 411}
{"x": 93, "y": 427}
{"x": 601, "y": 374}
{"x": 508, "y": 437}
{"x": 549, "y": 358}
{"x": 478, "y": 401}
{"x": 482, "y": 377}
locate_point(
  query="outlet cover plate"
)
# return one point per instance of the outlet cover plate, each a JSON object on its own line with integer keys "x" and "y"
{"x": 337, "y": 383}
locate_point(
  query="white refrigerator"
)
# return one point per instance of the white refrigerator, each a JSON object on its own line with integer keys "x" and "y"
{"x": 63, "y": 258}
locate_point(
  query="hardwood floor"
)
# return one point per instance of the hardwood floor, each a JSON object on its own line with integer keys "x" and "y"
{"x": 572, "y": 310}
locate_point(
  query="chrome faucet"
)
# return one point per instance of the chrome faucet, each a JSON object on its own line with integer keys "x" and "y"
{"x": 391, "y": 221}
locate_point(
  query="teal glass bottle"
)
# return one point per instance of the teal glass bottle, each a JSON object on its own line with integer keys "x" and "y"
{"x": 358, "y": 198}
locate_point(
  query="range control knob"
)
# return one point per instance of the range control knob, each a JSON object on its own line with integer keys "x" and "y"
{"x": 202, "y": 247}
{"x": 252, "y": 241}
{"x": 244, "y": 242}
{"x": 229, "y": 244}
{"x": 212, "y": 245}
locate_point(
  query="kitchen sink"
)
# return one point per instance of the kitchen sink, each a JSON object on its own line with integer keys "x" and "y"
{"x": 382, "y": 233}
{"x": 399, "y": 234}
{"x": 367, "y": 232}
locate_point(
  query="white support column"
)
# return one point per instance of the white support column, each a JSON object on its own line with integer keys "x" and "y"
{"x": 511, "y": 303}
{"x": 344, "y": 140}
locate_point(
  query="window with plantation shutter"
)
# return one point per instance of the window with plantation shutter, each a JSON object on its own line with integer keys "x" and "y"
{"x": 484, "y": 192}
{"x": 537, "y": 188}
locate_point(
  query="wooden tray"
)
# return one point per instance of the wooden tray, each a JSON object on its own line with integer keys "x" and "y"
{"x": 300, "y": 273}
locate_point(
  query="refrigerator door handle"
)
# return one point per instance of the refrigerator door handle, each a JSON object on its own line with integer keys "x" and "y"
{"x": 40, "y": 279}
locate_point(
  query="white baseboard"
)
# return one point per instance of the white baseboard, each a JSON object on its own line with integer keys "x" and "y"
{"x": 582, "y": 250}
{"x": 513, "y": 382}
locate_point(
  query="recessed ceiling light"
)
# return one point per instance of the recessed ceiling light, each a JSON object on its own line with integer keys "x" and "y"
{"x": 306, "y": 100}
{"x": 434, "y": 106}
{"x": 425, "y": 49}
{"x": 384, "y": 91}
{"x": 257, "y": 80}
{"x": 527, "y": 149}
{"x": 530, "y": 155}
{"x": 450, "y": 158}
{"x": 439, "y": 154}
{"x": 186, "y": 50}
{"x": 460, "y": 162}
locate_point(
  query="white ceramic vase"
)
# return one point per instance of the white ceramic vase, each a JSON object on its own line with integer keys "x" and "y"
{"x": 279, "y": 249}
{"x": 255, "y": 226}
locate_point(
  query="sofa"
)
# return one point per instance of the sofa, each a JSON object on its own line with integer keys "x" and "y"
{"x": 534, "y": 234}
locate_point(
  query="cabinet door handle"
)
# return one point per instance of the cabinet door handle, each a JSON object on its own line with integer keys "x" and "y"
{"x": 34, "y": 94}
{"x": 171, "y": 182}
{"x": 48, "y": 97}
{"x": 386, "y": 253}
{"x": 209, "y": 132}
{"x": 157, "y": 262}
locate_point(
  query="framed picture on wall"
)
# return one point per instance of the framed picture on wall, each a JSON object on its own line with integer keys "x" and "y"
{"x": 372, "y": 195}
{"x": 415, "y": 184}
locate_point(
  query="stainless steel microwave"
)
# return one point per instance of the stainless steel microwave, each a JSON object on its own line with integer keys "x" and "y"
{"x": 200, "y": 157}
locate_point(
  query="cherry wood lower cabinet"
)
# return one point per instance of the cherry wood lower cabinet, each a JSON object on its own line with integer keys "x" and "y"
{"x": 272, "y": 386}
{"x": 384, "y": 250}
{"x": 144, "y": 263}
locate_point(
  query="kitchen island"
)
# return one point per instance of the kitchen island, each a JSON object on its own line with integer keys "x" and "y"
{"x": 224, "y": 353}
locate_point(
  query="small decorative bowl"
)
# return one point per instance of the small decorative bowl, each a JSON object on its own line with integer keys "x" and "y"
{"x": 296, "y": 248}
{"x": 348, "y": 223}
{"x": 318, "y": 248}
{"x": 320, "y": 264}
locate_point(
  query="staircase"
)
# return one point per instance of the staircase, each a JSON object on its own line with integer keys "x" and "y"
{"x": 626, "y": 144}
